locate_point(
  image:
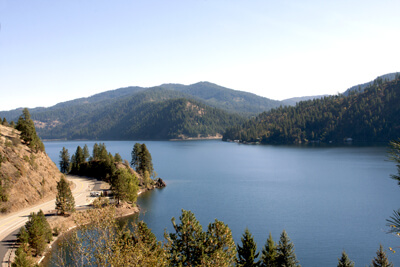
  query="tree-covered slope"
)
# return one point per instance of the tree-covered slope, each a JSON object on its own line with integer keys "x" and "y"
{"x": 154, "y": 113}
{"x": 372, "y": 115}
{"x": 361, "y": 87}
{"x": 225, "y": 98}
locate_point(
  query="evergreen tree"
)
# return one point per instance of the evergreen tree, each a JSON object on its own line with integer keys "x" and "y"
{"x": 23, "y": 238}
{"x": 269, "y": 253}
{"x": 141, "y": 160}
{"x": 344, "y": 261}
{"x": 247, "y": 252}
{"x": 39, "y": 232}
{"x": 124, "y": 185}
{"x": 86, "y": 153}
{"x": 118, "y": 158}
{"x": 64, "y": 160}
{"x": 22, "y": 259}
{"x": 286, "y": 256}
{"x": 5, "y": 123}
{"x": 103, "y": 154}
{"x": 381, "y": 259}
{"x": 28, "y": 132}
{"x": 65, "y": 201}
{"x": 144, "y": 234}
{"x": 96, "y": 152}
{"x": 136, "y": 152}
{"x": 146, "y": 163}
{"x": 48, "y": 233}
{"x": 186, "y": 245}
{"x": 220, "y": 247}
{"x": 77, "y": 160}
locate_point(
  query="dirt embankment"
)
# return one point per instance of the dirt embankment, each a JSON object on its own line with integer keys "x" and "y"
{"x": 26, "y": 177}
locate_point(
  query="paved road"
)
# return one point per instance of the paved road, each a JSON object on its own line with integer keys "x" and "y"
{"x": 10, "y": 223}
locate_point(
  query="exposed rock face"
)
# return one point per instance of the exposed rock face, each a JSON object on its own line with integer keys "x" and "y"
{"x": 160, "y": 183}
{"x": 26, "y": 177}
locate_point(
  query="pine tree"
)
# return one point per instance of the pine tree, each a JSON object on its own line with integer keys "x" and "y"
{"x": 286, "y": 256}
{"x": 186, "y": 245}
{"x": 146, "y": 163}
{"x": 117, "y": 158}
{"x": 220, "y": 248}
{"x": 96, "y": 152}
{"x": 247, "y": 252}
{"x": 64, "y": 160}
{"x": 5, "y": 123}
{"x": 141, "y": 160}
{"x": 23, "y": 238}
{"x": 39, "y": 232}
{"x": 22, "y": 259}
{"x": 344, "y": 261}
{"x": 136, "y": 152}
{"x": 86, "y": 153}
{"x": 65, "y": 201}
{"x": 28, "y": 132}
{"x": 381, "y": 259}
{"x": 76, "y": 160}
{"x": 269, "y": 253}
{"x": 48, "y": 234}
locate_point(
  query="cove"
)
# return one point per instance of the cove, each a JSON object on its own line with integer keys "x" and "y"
{"x": 327, "y": 198}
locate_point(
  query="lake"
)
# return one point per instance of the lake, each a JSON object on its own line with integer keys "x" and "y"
{"x": 327, "y": 198}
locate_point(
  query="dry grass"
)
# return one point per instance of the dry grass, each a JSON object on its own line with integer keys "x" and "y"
{"x": 27, "y": 177}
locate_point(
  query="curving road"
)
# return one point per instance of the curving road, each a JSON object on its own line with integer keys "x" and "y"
{"x": 11, "y": 223}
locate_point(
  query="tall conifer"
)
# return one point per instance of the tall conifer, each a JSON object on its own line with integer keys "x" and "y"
{"x": 64, "y": 160}
{"x": 65, "y": 201}
{"x": 269, "y": 253}
{"x": 247, "y": 256}
{"x": 344, "y": 261}
{"x": 381, "y": 259}
{"x": 286, "y": 256}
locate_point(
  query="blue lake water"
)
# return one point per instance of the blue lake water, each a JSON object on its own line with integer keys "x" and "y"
{"x": 327, "y": 198}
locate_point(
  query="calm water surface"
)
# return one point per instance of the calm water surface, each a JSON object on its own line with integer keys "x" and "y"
{"x": 328, "y": 199}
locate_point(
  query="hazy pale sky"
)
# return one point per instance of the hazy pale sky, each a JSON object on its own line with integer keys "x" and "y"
{"x": 54, "y": 51}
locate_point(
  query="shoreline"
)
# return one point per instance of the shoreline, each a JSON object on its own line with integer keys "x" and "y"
{"x": 66, "y": 224}
{"x": 124, "y": 210}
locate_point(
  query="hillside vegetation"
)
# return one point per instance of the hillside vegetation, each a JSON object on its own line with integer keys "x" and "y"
{"x": 27, "y": 175}
{"x": 371, "y": 115}
{"x": 169, "y": 111}
{"x": 155, "y": 113}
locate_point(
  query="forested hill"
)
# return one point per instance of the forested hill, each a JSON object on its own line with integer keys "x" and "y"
{"x": 361, "y": 87}
{"x": 147, "y": 113}
{"x": 226, "y": 99}
{"x": 151, "y": 114}
{"x": 371, "y": 115}
{"x": 233, "y": 101}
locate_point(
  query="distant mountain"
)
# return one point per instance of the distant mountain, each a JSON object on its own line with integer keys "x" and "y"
{"x": 372, "y": 115}
{"x": 136, "y": 112}
{"x": 233, "y": 101}
{"x": 361, "y": 87}
{"x": 294, "y": 100}
{"x": 226, "y": 99}
{"x": 151, "y": 114}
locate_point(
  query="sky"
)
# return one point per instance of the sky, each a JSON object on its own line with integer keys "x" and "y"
{"x": 54, "y": 51}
